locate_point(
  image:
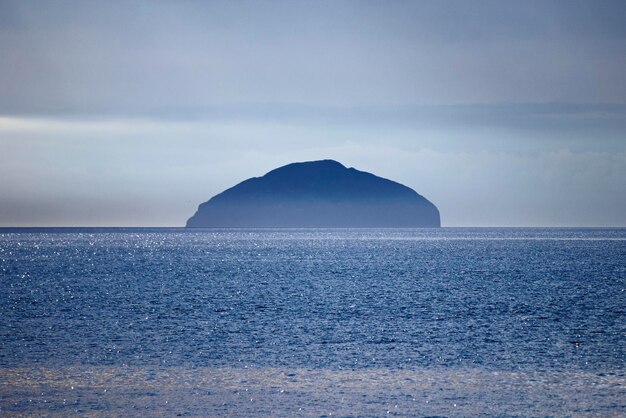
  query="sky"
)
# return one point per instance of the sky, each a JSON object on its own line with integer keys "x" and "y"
{"x": 131, "y": 113}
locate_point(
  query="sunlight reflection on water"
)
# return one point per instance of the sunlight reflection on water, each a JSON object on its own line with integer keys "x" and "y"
{"x": 286, "y": 392}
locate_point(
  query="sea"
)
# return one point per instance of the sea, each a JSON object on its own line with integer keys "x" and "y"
{"x": 313, "y": 322}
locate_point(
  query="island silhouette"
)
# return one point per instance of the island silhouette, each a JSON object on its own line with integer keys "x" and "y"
{"x": 316, "y": 194}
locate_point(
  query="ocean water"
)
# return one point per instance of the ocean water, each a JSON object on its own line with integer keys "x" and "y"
{"x": 313, "y": 322}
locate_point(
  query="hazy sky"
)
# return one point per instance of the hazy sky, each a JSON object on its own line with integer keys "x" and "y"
{"x": 131, "y": 113}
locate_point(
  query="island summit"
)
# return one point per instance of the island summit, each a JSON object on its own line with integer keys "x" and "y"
{"x": 316, "y": 194}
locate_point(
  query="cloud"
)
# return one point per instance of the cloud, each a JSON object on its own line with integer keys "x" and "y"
{"x": 98, "y": 58}
{"x": 126, "y": 172}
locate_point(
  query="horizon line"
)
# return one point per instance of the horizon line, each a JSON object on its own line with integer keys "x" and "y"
{"x": 258, "y": 227}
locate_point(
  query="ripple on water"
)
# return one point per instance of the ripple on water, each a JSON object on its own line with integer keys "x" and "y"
{"x": 526, "y": 319}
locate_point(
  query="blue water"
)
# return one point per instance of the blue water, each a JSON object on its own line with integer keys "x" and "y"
{"x": 490, "y": 300}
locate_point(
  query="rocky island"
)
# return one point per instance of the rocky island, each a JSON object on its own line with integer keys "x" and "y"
{"x": 316, "y": 194}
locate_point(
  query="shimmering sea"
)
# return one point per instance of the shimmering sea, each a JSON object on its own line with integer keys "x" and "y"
{"x": 313, "y": 322}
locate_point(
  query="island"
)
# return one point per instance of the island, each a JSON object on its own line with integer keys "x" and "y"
{"x": 317, "y": 194}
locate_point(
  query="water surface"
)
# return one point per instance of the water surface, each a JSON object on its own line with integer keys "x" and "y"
{"x": 357, "y": 321}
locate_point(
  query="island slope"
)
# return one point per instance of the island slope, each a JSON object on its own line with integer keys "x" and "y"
{"x": 316, "y": 194}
